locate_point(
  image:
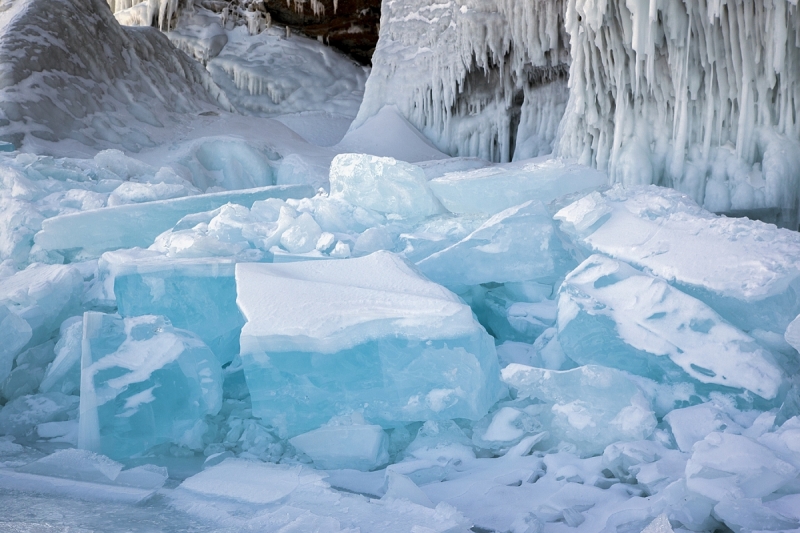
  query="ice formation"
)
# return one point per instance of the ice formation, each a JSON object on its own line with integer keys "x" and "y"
{"x": 143, "y": 383}
{"x": 484, "y": 79}
{"x": 700, "y": 96}
{"x": 263, "y": 308}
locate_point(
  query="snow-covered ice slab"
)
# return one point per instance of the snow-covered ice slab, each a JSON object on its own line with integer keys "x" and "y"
{"x": 198, "y": 295}
{"x": 493, "y": 189}
{"x": 249, "y": 495}
{"x": 325, "y": 338}
{"x": 144, "y": 383}
{"x": 748, "y": 271}
{"x": 589, "y": 406}
{"x": 90, "y": 233}
{"x": 517, "y": 244}
{"x": 614, "y": 315}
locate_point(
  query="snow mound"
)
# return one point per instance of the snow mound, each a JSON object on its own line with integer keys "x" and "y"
{"x": 71, "y": 72}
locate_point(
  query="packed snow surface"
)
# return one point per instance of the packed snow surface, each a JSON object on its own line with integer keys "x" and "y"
{"x": 254, "y": 324}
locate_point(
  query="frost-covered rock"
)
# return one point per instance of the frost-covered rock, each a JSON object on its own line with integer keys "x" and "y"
{"x": 327, "y": 338}
{"x": 747, "y": 271}
{"x": 144, "y": 383}
{"x": 71, "y": 72}
{"x": 614, "y": 315}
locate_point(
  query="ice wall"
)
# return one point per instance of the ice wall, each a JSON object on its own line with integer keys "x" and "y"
{"x": 700, "y": 96}
{"x": 68, "y": 70}
{"x": 479, "y": 78}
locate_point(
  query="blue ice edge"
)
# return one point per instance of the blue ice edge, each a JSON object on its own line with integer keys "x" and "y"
{"x": 88, "y": 234}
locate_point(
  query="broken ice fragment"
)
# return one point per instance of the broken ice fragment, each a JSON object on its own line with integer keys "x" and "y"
{"x": 198, "y": 295}
{"x": 382, "y": 184}
{"x": 143, "y": 383}
{"x": 612, "y": 314}
{"x": 326, "y": 338}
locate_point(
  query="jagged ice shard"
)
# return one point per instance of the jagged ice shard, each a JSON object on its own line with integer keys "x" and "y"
{"x": 367, "y": 335}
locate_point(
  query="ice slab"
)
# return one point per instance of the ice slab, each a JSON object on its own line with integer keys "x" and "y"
{"x": 747, "y": 271}
{"x": 353, "y": 446}
{"x": 726, "y": 466}
{"x": 614, "y": 315}
{"x": 589, "y": 406}
{"x": 88, "y": 234}
{"x": 517, "y": 244}
{"x": 143, "y": 383}
{"x": 382, "y": 184}
{"x": 325, "y": 338}
{"x": 493, "y": 189}
{"x": 792, "y": 334}
{"x": 198, "y": 295}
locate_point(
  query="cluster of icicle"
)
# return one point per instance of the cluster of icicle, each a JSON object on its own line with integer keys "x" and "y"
{"x": 703, "y": 96}
{"x": 455, "y": 69}
{"x": 160, "y": 11}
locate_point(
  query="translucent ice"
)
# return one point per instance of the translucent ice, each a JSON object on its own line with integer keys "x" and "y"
{"x": 590, "y": 406}
{"x": 517, "y": 244}
{"x": 20, "y": 417}
{"x": 615, "y": 315}
{"x": 143, "y": 383}
{"x": 126, "y": 226}
{"x": 382, "y": 184}
{"x": 198, "y": 295}
{"x": 355, "y": 446}
{"x": 493, "y": 189}
{"x": 748, "y": 271}
{"x": 325, "y": 338}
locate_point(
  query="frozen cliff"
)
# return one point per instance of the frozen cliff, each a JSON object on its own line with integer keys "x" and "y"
{"x": 699, "y": 96}
{"x": 484, "y": 79}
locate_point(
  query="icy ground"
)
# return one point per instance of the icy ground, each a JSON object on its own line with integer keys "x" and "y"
{"x": 256, "y": 322}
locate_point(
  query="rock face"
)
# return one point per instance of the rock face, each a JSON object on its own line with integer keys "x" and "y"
{"x": 348, "y": 25}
